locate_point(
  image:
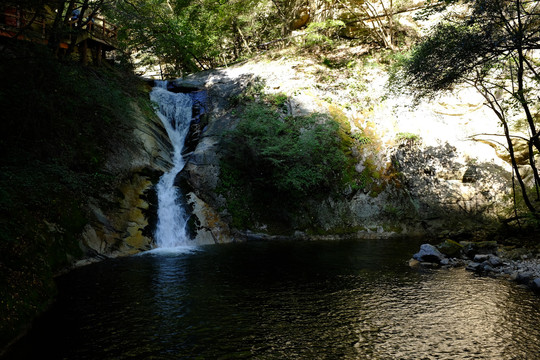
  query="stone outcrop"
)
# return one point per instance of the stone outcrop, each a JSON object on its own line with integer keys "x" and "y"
{"x": 485, "y": 258}
{"x": 438, "y": 179}
{"x": 208, "y": 227}
{"x": 122, "y": 220}
{"x": 445, "y": 185}
{"x": 433, "y": 178}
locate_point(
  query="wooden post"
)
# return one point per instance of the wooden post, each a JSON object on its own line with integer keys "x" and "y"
{"x": 98, "y": 54}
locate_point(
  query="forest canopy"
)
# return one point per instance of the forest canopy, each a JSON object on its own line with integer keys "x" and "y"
{"x": 191, "y": 35}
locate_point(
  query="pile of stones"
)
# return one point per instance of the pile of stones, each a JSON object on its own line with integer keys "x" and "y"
{"x": 485, "y": 258}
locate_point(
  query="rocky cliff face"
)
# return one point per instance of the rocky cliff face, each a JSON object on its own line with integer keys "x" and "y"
{"x": 428, "y": 168}
{"x": 431, "y": 168}
{"x": 122, "y": 221}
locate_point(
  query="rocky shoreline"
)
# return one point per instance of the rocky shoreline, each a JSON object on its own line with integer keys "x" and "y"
{"x": 486, "y": 258}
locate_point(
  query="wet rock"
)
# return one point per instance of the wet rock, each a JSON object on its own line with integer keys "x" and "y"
{"x": 428, "y": 253}
{"x": 508, "y": 271}
{"x": 495, "y": 261}
{"x": 429, "y": 265}
{"x": 473, "y": 266}
{"x": 535, "y": 284}
{"x": 470, "y": 249}
{"x": 513, "y": 276}
{"x": 414, "y": 263}
{"x": 487, "y": 268}
{"x": 481, "y": 258}
{"x": 524, "y": 277}
{"x": 209, "y": 227}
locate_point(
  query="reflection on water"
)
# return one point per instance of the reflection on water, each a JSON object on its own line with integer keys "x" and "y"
{"x": 309, "y": 300}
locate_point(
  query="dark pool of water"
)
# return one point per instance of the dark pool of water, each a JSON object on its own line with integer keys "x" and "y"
{"x": 284, "y": 300}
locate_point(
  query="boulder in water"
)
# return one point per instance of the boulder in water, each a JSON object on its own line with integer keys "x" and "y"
{"x": 428, "y": 253}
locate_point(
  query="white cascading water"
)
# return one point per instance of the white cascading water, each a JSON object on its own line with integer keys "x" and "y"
{"x": 174, "y": 110}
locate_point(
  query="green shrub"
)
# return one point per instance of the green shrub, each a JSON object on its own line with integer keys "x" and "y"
{"x": 406, "y": 137}
{"x": 321, "y": 33}
{"x": 286, "y": 155}
{"x": 273, "y": 163}
{"x": 362, "y": 138}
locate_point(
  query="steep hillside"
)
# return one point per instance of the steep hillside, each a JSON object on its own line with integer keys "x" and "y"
{"x": 80, "y": 151}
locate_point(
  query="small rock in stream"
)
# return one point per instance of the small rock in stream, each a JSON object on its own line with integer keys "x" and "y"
{"x": 473, "y": 266}
{"x": 480, "y": 258}
{"x": 524, "y": 277}
{"x": 536, "y": 284}
{"x": 495, "y": 261}
{"x": 487, "y": 268}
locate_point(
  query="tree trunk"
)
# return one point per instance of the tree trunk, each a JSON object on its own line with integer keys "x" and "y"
{"x": 516, "y": 169}
{"x": 498, "y": 110}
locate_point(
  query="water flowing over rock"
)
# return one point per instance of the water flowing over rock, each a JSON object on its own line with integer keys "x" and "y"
{"x": 124, "y": 226}
{"x": 175, "y": 113}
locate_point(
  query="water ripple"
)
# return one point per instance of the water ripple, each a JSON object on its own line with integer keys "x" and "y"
{"x": 345, "y": 300}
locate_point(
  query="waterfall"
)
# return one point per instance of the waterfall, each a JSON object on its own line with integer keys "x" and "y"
{"x": 174, "y": 111}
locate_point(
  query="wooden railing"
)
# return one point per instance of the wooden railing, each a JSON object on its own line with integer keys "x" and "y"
{"x": 16, "y": 21}
{"x": 98, "y": 27}
{"x": 103, "y": 29}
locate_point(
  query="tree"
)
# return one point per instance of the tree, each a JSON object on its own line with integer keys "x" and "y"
{"x": 190, "y": 35}
{"x": 373, "y": 19}
{"x": 494, "y": 48}
{"x": 376, "y": 16}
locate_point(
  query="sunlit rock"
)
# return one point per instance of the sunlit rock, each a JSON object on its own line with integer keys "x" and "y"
{"x": 208, "y": 226}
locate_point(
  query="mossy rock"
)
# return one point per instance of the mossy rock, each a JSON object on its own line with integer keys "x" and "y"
{"x": 471, "y": 248}
{"x": 450, "y": 248}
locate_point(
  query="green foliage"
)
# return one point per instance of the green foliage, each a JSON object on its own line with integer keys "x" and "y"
{"x": 186, "y": 36}
{"x": 330, "y": 26}
{"x": 407, "y": 137}
{"x": 277, "y": 100}
{"x": 321, "y": 34}
{"x": 443, "y": 59}
{"x": 239, "y": 199}
{"x": 362, "y": 138}
{"x": 254, "y": 91}
{"x": 317, "y": 40}
{"x": 293, "y": 155}
{"x": 338, "y": 64}
{"x": 461, "y": 49}
{"x": 273, "y": 161}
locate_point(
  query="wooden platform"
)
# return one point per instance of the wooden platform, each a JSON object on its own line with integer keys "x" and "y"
{"x": 26, "y": 25}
